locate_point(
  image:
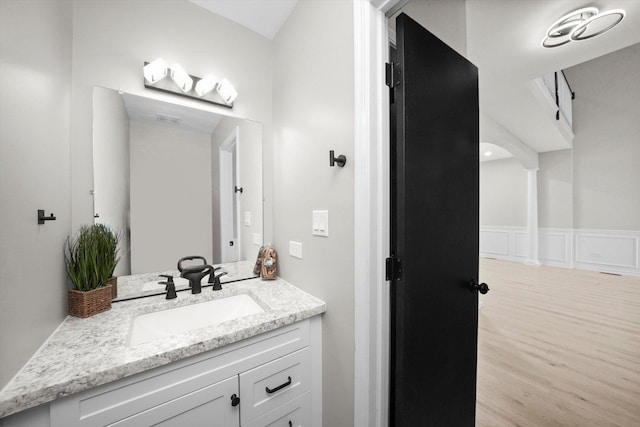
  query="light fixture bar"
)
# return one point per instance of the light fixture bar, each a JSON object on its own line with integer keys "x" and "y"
{"x": 206, "y": 89}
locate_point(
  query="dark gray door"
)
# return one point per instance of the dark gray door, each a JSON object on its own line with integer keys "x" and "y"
{"x": 434, "y": 312}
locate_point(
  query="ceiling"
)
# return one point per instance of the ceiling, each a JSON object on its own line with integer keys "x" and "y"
{"x": 265, "y": 17}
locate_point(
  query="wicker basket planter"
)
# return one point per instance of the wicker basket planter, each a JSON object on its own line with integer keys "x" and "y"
{"x": 113, "y": 281}
{"x": 88, "y": 303}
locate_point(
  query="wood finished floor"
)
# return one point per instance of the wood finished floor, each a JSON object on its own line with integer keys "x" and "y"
{"x": 557, "y": 347}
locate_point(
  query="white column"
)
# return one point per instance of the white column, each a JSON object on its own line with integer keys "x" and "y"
{"x": 532, "y": 216}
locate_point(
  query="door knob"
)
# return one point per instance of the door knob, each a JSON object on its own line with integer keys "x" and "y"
{"x": 483, "y": 288}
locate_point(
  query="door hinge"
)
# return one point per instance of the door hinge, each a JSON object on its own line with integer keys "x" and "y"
{"x": 392, "y": 74}
{"x": 393, "y": 268}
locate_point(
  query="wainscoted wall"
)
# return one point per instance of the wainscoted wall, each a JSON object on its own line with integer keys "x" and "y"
{"x": 610, "y": 251}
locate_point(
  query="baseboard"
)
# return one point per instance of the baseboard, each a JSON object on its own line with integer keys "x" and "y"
{"x": 610, "y": 251}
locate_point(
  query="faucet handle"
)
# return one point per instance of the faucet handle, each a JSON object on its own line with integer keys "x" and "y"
{"x": 168, "y": 282}
{"x": 217, "y": 286}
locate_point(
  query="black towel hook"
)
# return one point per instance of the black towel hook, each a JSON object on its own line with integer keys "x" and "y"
{"x": 340, "y": 160}
{"x": 42, "y": 218}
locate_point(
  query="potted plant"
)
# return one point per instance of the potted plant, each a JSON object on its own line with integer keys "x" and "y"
{"x": 90, "y": 259}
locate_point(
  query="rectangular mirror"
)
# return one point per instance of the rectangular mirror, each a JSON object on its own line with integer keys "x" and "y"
{"x": 175, "y": 181}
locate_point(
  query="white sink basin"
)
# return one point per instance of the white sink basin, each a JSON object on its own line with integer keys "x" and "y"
{"x": 180, "y": 282}
{"x": 161, "y": 324}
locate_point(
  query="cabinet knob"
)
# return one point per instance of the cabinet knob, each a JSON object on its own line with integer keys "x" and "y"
{"x": 235, "y": 400}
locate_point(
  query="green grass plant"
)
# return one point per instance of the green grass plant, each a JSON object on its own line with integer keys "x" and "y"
{"x": 91, "y": 256}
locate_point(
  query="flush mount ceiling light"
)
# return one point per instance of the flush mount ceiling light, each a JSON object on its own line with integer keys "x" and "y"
{"x": 581, "y": 24}
{"x": 183, "y": 84}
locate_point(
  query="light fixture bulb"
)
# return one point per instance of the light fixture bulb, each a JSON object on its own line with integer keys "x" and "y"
{"x": 181, "y": 77}
{"x": 205, "y": 85}
{"x": 226, "y": 91}
{"x": 155, "y": 71}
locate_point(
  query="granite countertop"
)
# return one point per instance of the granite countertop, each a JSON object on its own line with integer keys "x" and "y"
{"x": 85, "y": 353}
{"x": 138, "y": 284}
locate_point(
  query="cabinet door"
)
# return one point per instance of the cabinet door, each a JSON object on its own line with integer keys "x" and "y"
{"x": 210, "y": 406}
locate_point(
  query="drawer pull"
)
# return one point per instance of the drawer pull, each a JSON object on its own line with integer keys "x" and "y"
{"x": 280, "y": 387}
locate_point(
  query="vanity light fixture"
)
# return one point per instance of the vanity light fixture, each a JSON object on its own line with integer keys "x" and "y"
{"x": 205, "y": 85}
{"x": 181, "y": 77}
{"x": 155, "y": 71}
{"x": 226, "y": 91}
{"x": 581, "y": 24}
{"x": 183, "y": 84}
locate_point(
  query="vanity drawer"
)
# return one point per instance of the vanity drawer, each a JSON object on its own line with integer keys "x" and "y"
{"x": 295, "y": 413}
{"x": 273, "y": 384}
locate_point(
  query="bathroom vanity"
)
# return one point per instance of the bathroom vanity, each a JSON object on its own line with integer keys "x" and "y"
{"x": 255, "y": 370}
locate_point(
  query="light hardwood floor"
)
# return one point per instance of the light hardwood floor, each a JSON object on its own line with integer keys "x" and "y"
{"x": 557, "y": 347}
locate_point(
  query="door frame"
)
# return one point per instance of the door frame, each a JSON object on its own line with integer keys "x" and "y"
{"x": 372, "y": 207}
{"x": 228, "y": 153}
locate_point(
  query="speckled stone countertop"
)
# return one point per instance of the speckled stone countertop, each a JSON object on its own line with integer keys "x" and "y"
{"x": 85, "y": 353}
{"x": 137, "y": 285}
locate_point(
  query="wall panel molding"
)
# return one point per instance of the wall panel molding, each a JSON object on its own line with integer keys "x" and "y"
{"x": 609, "y": 251}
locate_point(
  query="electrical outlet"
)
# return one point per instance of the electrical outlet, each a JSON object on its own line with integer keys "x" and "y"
{"x": 295, "y": 249}
{"x": 247, "y": 219}
{"x": 257, "y": 239}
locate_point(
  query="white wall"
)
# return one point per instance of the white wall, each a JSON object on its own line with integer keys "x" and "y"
{"x": 170, "y": 196}
{"x": 35, "y": 83}
{"x": 111, "y": 169}
{"x": 555, "y": 190}
{"x": 606, "y": 154}
{"x": 313, "y": 113}
{"x": 503, "y": 193}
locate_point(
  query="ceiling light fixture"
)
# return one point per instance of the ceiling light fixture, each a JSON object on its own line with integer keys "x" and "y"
{"x": 183, "y": 84}
{"x": 581, "y": 24}
{"x": 488, "y": 153}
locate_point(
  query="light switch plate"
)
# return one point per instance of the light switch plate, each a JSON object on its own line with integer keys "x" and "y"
{"x": 295, "y": 249}
{"x": 320, "y": 223}
{"x": 247, "y": 218}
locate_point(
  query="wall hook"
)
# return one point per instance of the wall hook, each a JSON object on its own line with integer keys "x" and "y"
{"x": 42, "y": 218}
{"x": 237, "y": 189}
{"x": 340, "y": 160}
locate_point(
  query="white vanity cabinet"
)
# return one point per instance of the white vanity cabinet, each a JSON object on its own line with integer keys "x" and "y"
{"x": 275, "y": 375}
